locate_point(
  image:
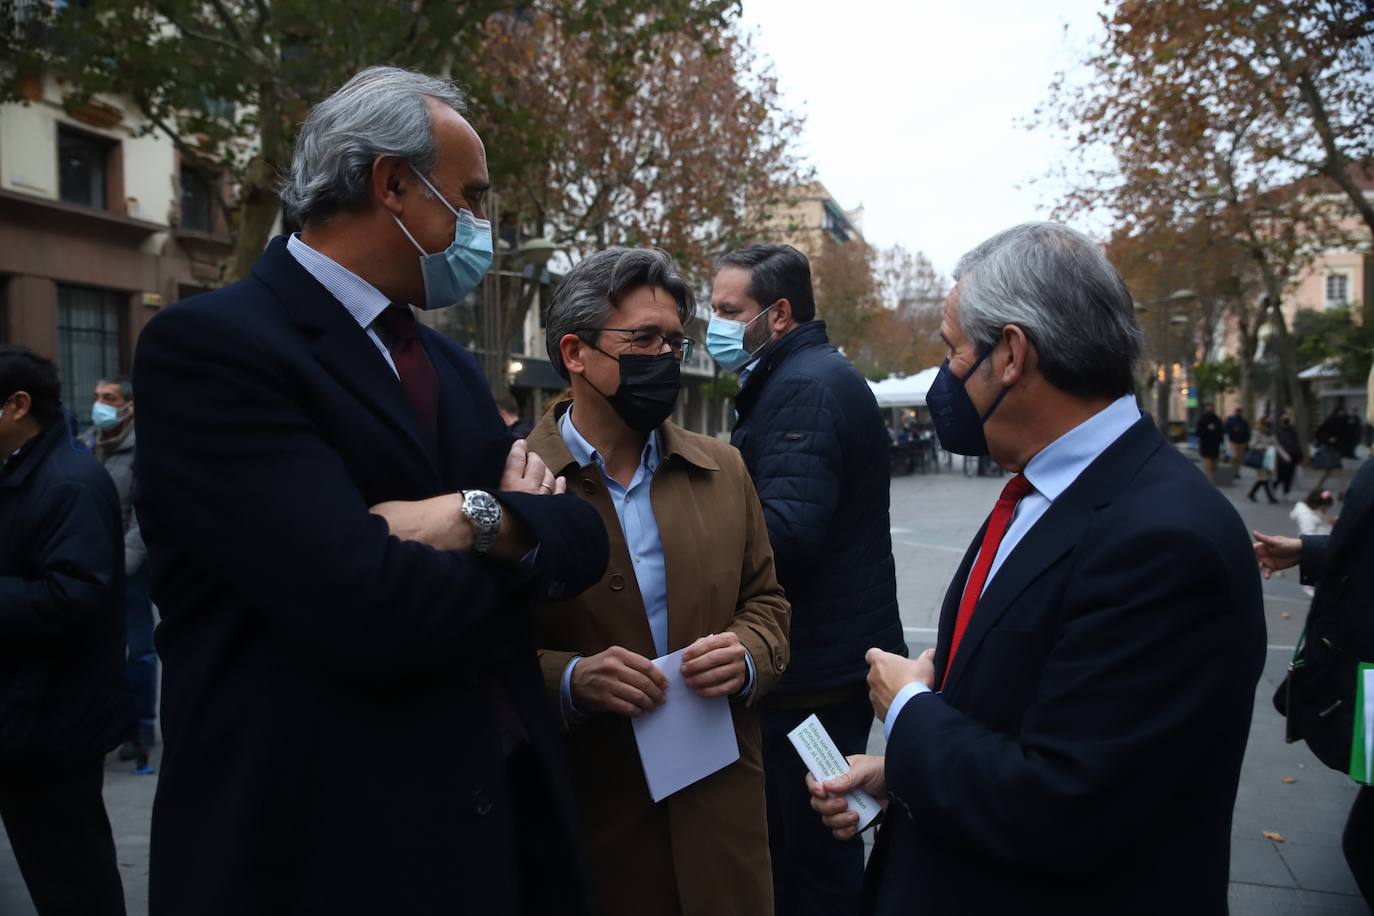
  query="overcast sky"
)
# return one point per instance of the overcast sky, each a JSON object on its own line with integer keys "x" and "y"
{"x": 911, "y": 107}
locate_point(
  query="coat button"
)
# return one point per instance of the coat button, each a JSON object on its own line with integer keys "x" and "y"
{"x": 616, "y": 582}
{"x": 481, "y": 802}
{"x": 588, "y": 486}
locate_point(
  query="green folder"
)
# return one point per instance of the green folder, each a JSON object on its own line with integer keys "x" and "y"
{"x": 1362, "y": 748}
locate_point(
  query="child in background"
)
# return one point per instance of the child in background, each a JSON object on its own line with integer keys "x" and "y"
{"x": 1310, "y": 515}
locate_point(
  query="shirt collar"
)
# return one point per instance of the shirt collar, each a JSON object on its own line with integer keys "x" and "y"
{"x": 1060, "y": 463}
{"x": 584, "y": 454}
{"x": 362, "y": 300}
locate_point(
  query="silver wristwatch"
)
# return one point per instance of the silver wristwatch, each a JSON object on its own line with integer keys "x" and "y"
{"x": 484, "y": 512}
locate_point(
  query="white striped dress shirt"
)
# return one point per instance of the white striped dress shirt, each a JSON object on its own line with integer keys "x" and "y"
{"x": 362, "y": 300}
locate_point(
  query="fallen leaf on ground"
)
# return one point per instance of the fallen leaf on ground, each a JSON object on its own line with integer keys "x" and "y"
{"x": 1285, "y": 616}
{"x": 1273, "y": 835}
{"x": 1289, "y": 780}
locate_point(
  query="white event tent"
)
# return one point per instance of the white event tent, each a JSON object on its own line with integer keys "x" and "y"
{"x": 905, "y": 391}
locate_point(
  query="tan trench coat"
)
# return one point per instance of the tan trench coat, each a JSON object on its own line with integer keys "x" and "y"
{"x": 703, "y": 850}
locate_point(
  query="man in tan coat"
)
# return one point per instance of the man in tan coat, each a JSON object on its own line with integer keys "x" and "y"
{"x": 690, "y": 567}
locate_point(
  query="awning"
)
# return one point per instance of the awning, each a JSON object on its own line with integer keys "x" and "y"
{"x": 1327, "y": 369}
{"x": 538, "y": 373}
{"x": 904, "y": 391}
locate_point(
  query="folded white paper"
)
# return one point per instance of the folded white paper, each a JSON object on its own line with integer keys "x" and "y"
{"x": 687, "y": 738}
{"x": 824, "y": 760}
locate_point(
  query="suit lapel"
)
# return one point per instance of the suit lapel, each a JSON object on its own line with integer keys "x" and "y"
{"x": 950, "y": 610}
{"x": 1052, "y": 537}
{"x": 343, "y": 348}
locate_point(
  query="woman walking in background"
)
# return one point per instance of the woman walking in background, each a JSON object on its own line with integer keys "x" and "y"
{"x": 1262, "y": 442}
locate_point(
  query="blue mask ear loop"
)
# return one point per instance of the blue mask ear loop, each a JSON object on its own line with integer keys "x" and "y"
{"x": 969, "y": 374}
{"x": 440, "y": 198}
{"x": 757, "y": 350}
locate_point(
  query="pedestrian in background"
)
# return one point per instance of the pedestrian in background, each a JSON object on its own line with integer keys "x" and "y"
{"x": 510, "y": 415}
{"x": 1289, "y": 452}
{"x": 63, "y": 699}
{"x": 1330, "y": 449}
{"x": 1262, "y": 444}
{"x": 1353, "y": 438}
{"x": 1309, "y": 513}
{"x": 113, "y": 441}
{"x": 1209, "y": 438}
{"x": 814, "y": 441}
{"x": 1237, "y": 438}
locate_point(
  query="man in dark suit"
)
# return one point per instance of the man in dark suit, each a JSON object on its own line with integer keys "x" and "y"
{"x": 1338, "y": 636}
{"x": 354, "y": 722}
{"x": 63, "y": 698}
{"x": 1073, "y": 743}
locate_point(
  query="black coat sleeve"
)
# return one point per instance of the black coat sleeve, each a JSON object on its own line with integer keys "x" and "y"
{"x": 233, "y": 465}
{"x": 1154, "y": 650}
{"x": 77, "y": 545}
{"x": 573, "y": 546}
{"x": 797, "y": 471}
{"x": 1312, "y": 560}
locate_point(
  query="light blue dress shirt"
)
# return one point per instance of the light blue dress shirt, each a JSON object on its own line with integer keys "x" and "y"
{"x": 1052, "y": 471}
{"x": 635, "y": 510}
{"x": 362, "y": 300}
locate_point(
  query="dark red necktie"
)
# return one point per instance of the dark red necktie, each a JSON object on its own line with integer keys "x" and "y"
{"x": 417, "y": 374}
{"x": 1012, "y": 493}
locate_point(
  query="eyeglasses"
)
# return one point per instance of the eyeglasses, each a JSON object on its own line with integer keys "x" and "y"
{"x": 645, "y": 340}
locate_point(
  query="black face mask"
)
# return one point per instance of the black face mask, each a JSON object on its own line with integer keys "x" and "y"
{"x": 648, "y": 390}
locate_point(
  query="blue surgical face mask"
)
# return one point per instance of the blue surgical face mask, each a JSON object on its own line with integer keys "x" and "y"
{"x": 454, "y": 272}
{"x": 104, "y": 416}
{"x": 957, "y": 421}
{"x": 725, "y": 341}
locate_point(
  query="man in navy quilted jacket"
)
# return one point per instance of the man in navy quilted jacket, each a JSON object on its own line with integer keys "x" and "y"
{"x": 814, "y": 441}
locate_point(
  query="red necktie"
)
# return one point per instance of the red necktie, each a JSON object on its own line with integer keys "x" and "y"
{"x": 418, "y": 377}
{"x": 1016, "y": 488}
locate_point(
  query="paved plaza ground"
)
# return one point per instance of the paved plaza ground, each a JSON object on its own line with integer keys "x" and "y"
{"x": 933, "y": 518}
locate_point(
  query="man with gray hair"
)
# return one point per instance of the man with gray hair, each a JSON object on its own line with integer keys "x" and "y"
{"x": 344, "y": 543}
{"x": 1073, "y": 742}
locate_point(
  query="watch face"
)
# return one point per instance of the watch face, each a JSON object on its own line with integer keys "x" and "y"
{"x": 483, "y": 508}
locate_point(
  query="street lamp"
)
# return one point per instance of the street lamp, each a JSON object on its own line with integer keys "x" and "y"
{"x": 536, "y": 253}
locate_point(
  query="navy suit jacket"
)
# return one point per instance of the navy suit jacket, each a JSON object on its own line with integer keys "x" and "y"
{"x": 1085, "y": 752}
{"x": 331, "y": 741}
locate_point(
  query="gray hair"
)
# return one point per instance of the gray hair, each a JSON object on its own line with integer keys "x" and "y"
{"x": 596, "y": 286}
{"x": 1057, "y": 286}
{"x": 122, "y": 382}
{"x": 379, "y": 112}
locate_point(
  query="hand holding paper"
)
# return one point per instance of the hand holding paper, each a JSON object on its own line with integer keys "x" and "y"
{"x": 686, "y": 739}
{"x": 839, "y": 788}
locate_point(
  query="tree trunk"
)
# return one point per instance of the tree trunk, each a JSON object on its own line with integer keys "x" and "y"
{"x": 258, "y": 198}
{"x": 1247, "y": 369}
{"x": 1337, "y": 165}
{"x": 1288, "y": 372}
{"x": 257, "y": 211}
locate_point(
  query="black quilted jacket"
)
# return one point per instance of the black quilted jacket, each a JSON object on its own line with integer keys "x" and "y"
{"x": 814, "y": 441}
